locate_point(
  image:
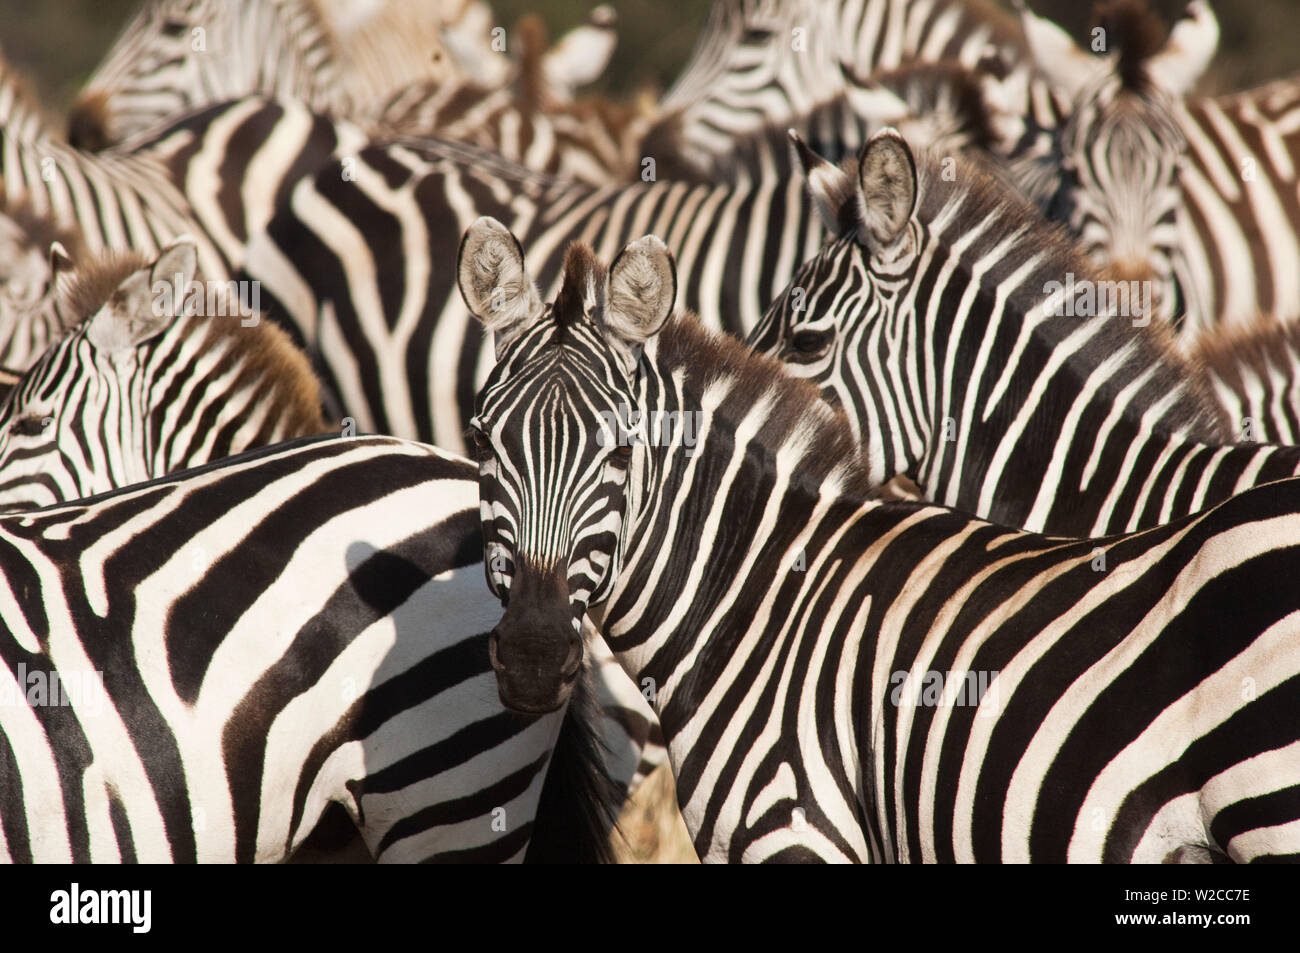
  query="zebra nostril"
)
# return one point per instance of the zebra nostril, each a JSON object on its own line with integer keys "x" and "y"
{"x": 494, "y": 642}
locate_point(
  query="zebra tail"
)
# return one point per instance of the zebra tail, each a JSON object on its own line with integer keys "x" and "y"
{"x": 579, "y": 801}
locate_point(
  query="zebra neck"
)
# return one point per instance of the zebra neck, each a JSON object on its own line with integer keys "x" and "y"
{"x": 740, "y": 463}
{"x": 1042, "y": 389}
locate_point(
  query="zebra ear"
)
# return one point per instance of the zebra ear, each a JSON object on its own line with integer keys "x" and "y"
{"x": 830, "y": 187}
{"x": 147, "y": 301}
{"x": 495, "y": 283}
{"x": 60, "y": 260}
{"x": 1065, "y": 66}
{"x": 582, "y": 54}
{"x": 177, "y": 265}
{"x": 640, "y": 296}
{"x": 1188, "y": 52}
{"x": 886, "y": 189}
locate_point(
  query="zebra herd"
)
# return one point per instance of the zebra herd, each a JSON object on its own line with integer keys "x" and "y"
{"x": 980, "y": 547}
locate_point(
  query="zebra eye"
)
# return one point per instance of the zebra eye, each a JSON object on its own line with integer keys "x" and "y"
{"x": 33, "y": 425}
{"x": 810, "y": 342}
{"x": 623, "y": 452}
{"x": 480, "y": 446}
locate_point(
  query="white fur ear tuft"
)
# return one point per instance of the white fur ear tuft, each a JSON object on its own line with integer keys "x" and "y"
{"x": 1188, "y": 52}
{"x": 1061, "y": 62}
{"x": 495, "y": 282}
{"x": 641, "y": 293}
{"x": 886, "y": 188}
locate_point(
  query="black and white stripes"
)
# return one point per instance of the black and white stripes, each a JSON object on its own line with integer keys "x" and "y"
{"x": 298, "y": 626}
{"x": 1096, "y": 705}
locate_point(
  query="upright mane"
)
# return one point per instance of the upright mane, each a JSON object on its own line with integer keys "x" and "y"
{"x": 797, "y": 409}
{"x": 1135, "y": 34}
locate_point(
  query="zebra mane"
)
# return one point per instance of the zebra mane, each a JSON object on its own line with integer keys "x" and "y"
{"x": 262, "y": 354}
{"x": 583, "y": 279}
{"x": 1135, "y": 33}
{"x": 797, "y": 409}
{"x": 530, "y": 34}
{"x": 1017, "y": 230}
{"x": 1230, "y": 352}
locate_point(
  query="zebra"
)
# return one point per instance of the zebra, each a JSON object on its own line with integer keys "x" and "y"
{"x": 254, "y": 640}
{"x": 34, "y": 251}
{"x": 215, "y": 176}
{"x": 113, "y": 202}
{"x": 1195, "y": 194}
{"x": 758, "y": 62}
{"x": 974, "y": 349}
{"x": 349, "y": 261}
{"x": 1255, "y": 375}
{"x": 284, "y": 49}
{"x": 529, "y": 117}
{"x": 140, "y": 384}
{"x": 780, "y": 612}
{"x": 178, "y": 54}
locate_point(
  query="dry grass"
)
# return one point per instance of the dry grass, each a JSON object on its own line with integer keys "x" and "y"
{"x": 651, "y": 829}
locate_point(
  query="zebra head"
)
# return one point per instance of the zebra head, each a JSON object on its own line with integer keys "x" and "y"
{"x": 34, "y": 250}
{"x": 842, "y": 310}
{"x": 552, "y": 437}
{"x": 176, "y": 55}
{"x": 69, "y": 427}
{"x": 1121, "y": 146}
